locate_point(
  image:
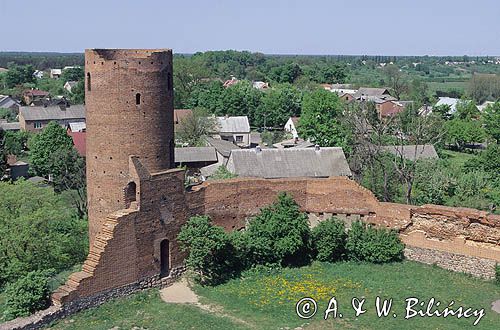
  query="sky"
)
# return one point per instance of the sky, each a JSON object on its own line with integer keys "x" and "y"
{"x": 355, "y": 27}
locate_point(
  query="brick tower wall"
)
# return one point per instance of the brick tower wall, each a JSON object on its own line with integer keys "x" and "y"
{"x": 129, "y": 102}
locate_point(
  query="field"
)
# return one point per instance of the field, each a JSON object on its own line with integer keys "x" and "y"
{"x": 266, "y": 300}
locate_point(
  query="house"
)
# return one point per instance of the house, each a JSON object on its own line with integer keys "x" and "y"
{"x": 55, "y": 73}
{"x": 260, "y": 85}
{"x": 6, "y": 126}
{"x": 413, "y": 152}
{"x": 77, "y": 132}
{"x": 230, "y": 82}
{"x": 382, "y": 93}
{"x": 448, "y": 101}
{"x": 223, "y": 148}
{"x": 34, "y": 119}
{"x": 235, "y": 129}
{"x": 179, "y": 115}
{"x": 34, "y": 95}
{"x": 343, "y": 89}
{"x": 479, "y": 107}
{"x": 8, "y": 102}
{"x": 287, "y": 163}
{"x": 195, "y": 157}
{"x": 38, "y": 74}
{"x": 291, "y": 126}
{"x": 69, "y": 85}
{"x": 3, "y": 70}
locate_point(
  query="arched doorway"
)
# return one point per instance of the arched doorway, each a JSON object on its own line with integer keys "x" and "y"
{"x": 164, "y": 258}
{"x": 130, "y": 193}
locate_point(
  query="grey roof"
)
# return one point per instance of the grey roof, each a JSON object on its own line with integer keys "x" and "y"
{"x": 8, "y": 102}
{"x": 195, "y": 154}
{"x": 222, "y": 146}
{"x": 236, "y": 124}
{"x": 53, "y": 112}
{"x": 285, "y": 163}
{"x": 10, "y": 126}
{"x": 367, "y": 91}
{"x": 413, "y": 152}
{"x": 37, "y": 179}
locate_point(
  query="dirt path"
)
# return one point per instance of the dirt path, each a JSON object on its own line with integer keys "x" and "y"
{"x": 496, "y": 306}
{"x": 180, "y": 293}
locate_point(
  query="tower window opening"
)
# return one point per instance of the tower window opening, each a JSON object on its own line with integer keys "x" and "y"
{"x": 138, "y": 98}
{"x": 130, "y": 192}
{"x": 169, "y": 81}
{"x": 88, "y": 82}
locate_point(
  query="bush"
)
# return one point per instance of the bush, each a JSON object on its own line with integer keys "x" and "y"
{"x": 280, "y": 234}
{"x": 28, "y": 294}
{"x": 211, "y": 255}
{"x": 377, "y": 245}
{"x": 329, "y": 239}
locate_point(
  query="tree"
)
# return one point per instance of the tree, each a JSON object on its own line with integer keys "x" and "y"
{"x": 397, "y": 81}
{"x": 467, "y": 110}
{"x": 286, "y": 73}
{"x": 18, "y": 75}
{"x": 15, "y": 142}
{"x": 277, "y": 105}
{"x": 207, "y": 95}
{"x": 491, "y": 120}
{"x": 77, "y": 95}
{"x": 188, "y": 73}
{"x": 37, "y": 231}
{"x": 68, "y": 174}
{"x": 43, "y": 145}
{"x": 460, "y": 132}
{"x": 320, "y": 120}
{"x": 222, "y": 173}
{"x": 240, "y": 99}
{"x": 8, "y": 114}
{"x": 194, "y": 128}
{"x": 73, "y": 74}
{"x": 211, "y": 254}
{"x": 329, "y": 239}
{"x": 279, "y": 234}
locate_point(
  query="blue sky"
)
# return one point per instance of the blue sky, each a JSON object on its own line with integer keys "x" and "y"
{"x": 386, "y": 27}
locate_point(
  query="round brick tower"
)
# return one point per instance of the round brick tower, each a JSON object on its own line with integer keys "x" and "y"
{"x": 129, "y": 103}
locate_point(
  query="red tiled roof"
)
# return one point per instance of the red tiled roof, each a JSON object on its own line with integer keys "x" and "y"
{"x": 79, "y": 142}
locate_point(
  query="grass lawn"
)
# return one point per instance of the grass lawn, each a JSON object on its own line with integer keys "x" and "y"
{"x": 267, "y": 300}
{"x": 456, "y": 158}
{"x": 2, "y": 306}
{"x": 447, "y": 86}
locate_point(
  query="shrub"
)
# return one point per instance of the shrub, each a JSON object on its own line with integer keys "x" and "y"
{"x": 28, "y": 294}
{"x": 377, "y": 245}
{"x": 211, "y": 255}
{"x": 280, "y": 234}
{"x": 329, "y": 239}
{"x": 497, "y": 274}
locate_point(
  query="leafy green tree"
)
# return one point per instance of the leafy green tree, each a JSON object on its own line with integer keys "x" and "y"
{"x": 7, "y": 114}
{"x": 491, "y": 119}
{"x": 38, "y": 231}
{"x": 18, "y": 75}
{"x": 73, "y": 74}
{"x": 44, "y": 144}
{"x": 467, "y": 110}
{"x": 329, "y": 239}
{"x": 328, "y": 73}
{"x": 28, "y": 294}
{"x": 77, "y": 95}
{"x": 188, "y": 74}
{"x": 194, "y": 128}
{"x": 277, "y": 105}
{"x": 320, "y": 120}
{"x": 240, "y": 99}
{"x": 15, "y": 142}
{"x": 208, "y": 96}
{"x": 397, "y": 80}
{"x": 461, "y": 132}
{"x": 279, "y": 234}
{"x": 211, "y": 254}
{"x": 286, "y": 73}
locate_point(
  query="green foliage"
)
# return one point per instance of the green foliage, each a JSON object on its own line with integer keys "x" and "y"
{"x": 434, "y": 182}
{"x": 326, "y": 73}
{"x": 467, "y": 110}
{"x": 460, "y": 132}
{"x": 222, "y": 173}
{"x": 240, "y": 99}
{"x": 28, "y": 294}
{"x": 286, "y": 73}
{"x": 194, "y": 128}
{"x": 8, "y": 114}
{"x": 211, "y": 254}
{"x": 279, "y": 234}
{"x": 497, "y": 274}
{"x": 320, "y": 120}
{"x": 73, "y": 74}
{"x": 77, "y": 95}
{"x": 272, "y": 137}
{"x": 377, "y": 245}
{"x": 44, "y": 145}
{"x": 277, "y": 105}
{"x": 15, "y": 142}
{"x": 491, "y": 119}
{"x": 18, "y": 75}
{"x": 37, "y": 231}
{"x": 329, "y": 240}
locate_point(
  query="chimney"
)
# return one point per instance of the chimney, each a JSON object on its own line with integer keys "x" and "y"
{"x": 316, "y": 147}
